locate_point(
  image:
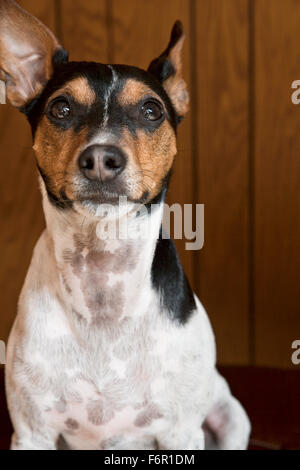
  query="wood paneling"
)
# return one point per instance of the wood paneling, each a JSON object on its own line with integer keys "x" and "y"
{"x": 221, "y": 140}
{"x": 140, "y": 32}
{"x": 20, "y": 207}
{"x": 83, "y": 29}
{"x": 277, "y": 181}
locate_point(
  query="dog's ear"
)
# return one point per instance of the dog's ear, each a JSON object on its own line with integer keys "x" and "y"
{"x": 27, "y": 48}
{"x": 168, "y": 69}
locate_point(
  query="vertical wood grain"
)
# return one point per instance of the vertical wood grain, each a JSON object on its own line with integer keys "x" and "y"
{"x": 277, "y": 181}
{"x": 221, "y": 139}
{"x": 140, "y": 32}
{"x": 20, "y": 203}
{"x": 84, "y": 29}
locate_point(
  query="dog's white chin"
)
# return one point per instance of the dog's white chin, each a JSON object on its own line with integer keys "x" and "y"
{"x": 106, "y": 211}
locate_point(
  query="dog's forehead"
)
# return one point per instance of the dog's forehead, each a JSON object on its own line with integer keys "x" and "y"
{"x": 91, "y": 82}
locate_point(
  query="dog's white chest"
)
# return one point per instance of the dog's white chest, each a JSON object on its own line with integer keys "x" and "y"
{"x": 125, "y": 382}
{"x": 91, "y": 418}
{"x": 105, "y": 388}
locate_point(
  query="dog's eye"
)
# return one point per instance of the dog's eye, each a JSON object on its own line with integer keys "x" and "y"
{"x": 152, "y": 111}
{"x": 60, "y": 109}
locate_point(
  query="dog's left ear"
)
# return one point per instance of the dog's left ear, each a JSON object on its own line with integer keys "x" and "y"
{"x": 168, "y": 69}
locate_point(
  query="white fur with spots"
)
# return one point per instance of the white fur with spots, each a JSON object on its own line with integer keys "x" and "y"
{"x": 92, "y": 358}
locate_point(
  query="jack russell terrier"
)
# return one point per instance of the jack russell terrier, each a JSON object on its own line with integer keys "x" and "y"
{"x": 110, "y": 348}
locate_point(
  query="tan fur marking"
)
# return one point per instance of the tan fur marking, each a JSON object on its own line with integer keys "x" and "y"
{"x": 133, "y": 92}
{"x": 57, "y": 152}
{"x": 80, "y": 89}
{"x": 151, "y": 158}
{"x": 175, "y": 86}
{"x": 175, "y": 54}
{"x": 177, "y": 91}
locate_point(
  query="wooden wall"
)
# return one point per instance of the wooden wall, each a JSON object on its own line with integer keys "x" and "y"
{"x": 239, "y": 154}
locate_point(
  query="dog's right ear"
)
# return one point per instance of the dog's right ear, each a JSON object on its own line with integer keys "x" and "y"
{"x": 27, "y": 49}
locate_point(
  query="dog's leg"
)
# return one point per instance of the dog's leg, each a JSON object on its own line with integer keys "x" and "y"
{"x": 182, "y": 439}
{"x": 227, "y": 426}
{"x": 120, "y": 443}
{"x": 30, "y": 431}
{"x": 31, "y": 442}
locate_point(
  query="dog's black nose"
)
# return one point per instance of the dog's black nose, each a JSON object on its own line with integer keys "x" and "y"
{"x": 102, "y": 162}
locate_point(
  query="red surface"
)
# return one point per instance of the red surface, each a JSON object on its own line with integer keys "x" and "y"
{"x": 272, "y": 400}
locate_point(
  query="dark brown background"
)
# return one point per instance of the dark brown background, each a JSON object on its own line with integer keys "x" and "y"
{"x": 239, "y": 154}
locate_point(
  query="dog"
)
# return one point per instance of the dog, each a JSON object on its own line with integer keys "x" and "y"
{"x": 110, "y": 348}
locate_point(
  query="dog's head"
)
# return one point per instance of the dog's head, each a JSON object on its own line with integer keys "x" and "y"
{"x": 100, "y": 131}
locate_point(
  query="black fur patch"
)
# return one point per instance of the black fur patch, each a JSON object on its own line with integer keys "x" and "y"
{"x": 162, "y": 68}
{"x": 61, "y": 56}
{"x": 61, "y": 202}
{"x": 169, "y": 279}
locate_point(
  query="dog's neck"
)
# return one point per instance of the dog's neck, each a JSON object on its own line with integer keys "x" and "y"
{"x": 102, "y": 276}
